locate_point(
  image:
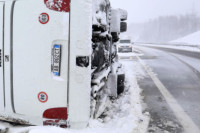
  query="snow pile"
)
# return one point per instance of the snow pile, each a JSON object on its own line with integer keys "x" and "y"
{"x": 187, "y": 43}
{"x": 99, "y": 16}
{"x": 134, "y": 72}
{"x": 193, "y": 39}
{"x": 175, "y": 46}
{"x": 123, "y": 116}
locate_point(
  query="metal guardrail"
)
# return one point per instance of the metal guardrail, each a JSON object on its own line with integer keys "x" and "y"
{"x": 192, "y": 54}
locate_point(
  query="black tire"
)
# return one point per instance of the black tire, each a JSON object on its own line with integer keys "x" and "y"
{"x": 99, "y": 58}
{"x": 115, "y": 36}
{"x": 120, "y": 83}
{"x": 123, "y": 27}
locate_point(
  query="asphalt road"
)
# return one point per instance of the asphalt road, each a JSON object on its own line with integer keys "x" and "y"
{"x": 177, "y": 73}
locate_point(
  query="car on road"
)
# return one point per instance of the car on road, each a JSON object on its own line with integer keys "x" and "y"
{"x": 125, "y": 48}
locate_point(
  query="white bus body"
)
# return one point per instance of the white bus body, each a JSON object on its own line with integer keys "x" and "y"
{"x": 30, "y": 91}
{"x": 56, "y": 60}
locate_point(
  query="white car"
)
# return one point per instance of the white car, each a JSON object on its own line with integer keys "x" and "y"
{"x": 125, "y": 49}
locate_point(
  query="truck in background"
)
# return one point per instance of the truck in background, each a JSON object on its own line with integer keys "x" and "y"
{"x": 57, "y": 60}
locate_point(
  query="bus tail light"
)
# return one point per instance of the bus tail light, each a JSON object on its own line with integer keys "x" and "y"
{"x": 58, "y": 5}
{"x": 56, "y": 116}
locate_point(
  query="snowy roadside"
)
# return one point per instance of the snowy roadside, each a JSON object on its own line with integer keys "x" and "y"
{"x": 188, "y": 43}
{"x": 123, "y": 116}
{"x": 191, "y": 48}
{"x": 189, "y": 40}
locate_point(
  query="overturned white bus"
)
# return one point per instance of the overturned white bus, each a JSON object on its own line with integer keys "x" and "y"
{"x": 57, "y": 60}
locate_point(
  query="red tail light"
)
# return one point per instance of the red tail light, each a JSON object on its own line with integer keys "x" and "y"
{"x": 58, "y": 5}
{"x": 55, "y": 116}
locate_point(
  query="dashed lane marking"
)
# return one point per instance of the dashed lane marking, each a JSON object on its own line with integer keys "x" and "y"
{"x": 187, "y": 123}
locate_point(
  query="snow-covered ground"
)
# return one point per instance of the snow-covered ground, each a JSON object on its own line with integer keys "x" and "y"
{"x": 188, "y": 43}
{"x": 176, "y": 46}
{"x": 123, "y": 116}
{"x": 192, "y": 40}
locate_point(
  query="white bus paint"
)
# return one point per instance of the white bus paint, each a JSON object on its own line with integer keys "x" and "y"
{"x": 1, "y": 57}
{"x": 28, "y": 44}
{"x": 7, "y": 65}
{"x": 184, "y": 119}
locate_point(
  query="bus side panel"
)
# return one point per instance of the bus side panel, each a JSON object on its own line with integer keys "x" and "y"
{"x": 1, "y": 58}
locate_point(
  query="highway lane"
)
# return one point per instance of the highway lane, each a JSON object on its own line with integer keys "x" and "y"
{"x": 178, "y": 72}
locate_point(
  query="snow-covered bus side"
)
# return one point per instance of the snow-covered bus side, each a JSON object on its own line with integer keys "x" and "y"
{"x": 55, "y": 62}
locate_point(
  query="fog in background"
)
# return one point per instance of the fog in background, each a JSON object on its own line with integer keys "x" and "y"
{"x": 160, "y": 20}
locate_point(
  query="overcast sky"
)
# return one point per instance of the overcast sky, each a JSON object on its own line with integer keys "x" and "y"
{"x": 142, "y": 10}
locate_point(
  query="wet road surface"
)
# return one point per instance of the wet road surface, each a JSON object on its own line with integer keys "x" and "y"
{"x": 179, "y": 72}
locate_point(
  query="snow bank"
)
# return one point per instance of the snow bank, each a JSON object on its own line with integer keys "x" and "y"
{"x": 187, "y": 43}
{"x": 175, "y": 46}
{"x": 193, "y": 39}
{"x": 133, "y": 72}
{"x": 123, "y": 116}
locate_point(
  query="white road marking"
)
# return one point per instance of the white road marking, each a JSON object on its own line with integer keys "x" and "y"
{"x": 187, "y": 123}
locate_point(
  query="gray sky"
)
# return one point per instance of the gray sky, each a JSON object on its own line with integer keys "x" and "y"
{"x": 142, "y": 10}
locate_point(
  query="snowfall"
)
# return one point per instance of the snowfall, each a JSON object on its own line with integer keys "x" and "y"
{"x": 125, "y": 114}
